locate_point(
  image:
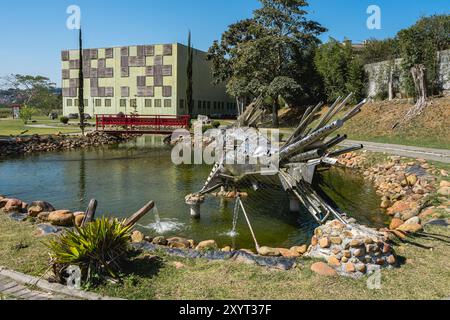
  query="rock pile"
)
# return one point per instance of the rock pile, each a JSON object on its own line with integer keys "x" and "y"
{"x": 350, "y": 250}
{"x": 404, "y": 188}
{"x": 38, "y": 143}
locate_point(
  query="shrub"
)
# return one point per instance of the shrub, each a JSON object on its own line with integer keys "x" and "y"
{"x": 97, "y": 249}
{"x": 64, "y": 120}
{"x": 206, "y": 128}
{"x": 215, "y": 124}
{"x": 26, "y": 113}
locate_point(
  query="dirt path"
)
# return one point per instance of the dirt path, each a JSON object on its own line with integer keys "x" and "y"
{"x": 440, "y": 155}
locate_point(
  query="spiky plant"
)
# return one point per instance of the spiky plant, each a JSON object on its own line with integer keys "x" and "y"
{"x": 96, "y": 248}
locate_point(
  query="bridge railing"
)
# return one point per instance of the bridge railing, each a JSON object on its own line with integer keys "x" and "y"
{"x": 134, "y": 123}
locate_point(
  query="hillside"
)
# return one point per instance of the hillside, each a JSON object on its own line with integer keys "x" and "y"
{"x": 375, "y": 122}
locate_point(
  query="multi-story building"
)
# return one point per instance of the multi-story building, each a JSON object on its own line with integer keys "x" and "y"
{"x": 144, "y": 80}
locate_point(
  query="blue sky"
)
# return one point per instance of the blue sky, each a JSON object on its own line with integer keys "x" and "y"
{"x": 34, "y": 32}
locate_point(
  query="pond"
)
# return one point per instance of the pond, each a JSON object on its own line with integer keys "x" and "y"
{"x": 125, "y": 177}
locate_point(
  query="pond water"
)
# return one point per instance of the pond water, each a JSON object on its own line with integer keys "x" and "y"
{"x": 125, "y": 177}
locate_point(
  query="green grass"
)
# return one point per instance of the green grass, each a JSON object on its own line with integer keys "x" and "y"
{"x": 17, "y": 127}
{"x": 425, "y": 274}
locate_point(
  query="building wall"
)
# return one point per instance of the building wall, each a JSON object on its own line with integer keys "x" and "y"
{"x": 162, "y": 66}
{"x": 205, "y": 93}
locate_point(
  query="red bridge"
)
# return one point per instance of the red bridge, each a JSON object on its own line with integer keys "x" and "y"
{"x": 135, "y": 124}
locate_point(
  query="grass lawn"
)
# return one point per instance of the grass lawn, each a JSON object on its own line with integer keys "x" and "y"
{"x": 376, "y": 121}
{"x": 17, "y": 127}
{"x": 424, "y": 275}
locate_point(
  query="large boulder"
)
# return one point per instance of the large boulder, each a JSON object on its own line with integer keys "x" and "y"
{"x": 13, "y": 205}
{"x": 37, "y": 207}
{"x": 268, "y": 251}
{"x": 63, "y": 218}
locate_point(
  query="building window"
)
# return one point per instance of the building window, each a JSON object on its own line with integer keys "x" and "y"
{"x": 76, "y": 102}
{"x": 148, "y": 103}
{"x": 158, "y": 103}
{"x": 133, "y": 103}
{"x": 181, "y": 104}
{"x": 214, "y": 105}
{"x": 123, "y": 103}
{"x": 167, "y": 103}
{"x": 204, "y": 105}
{"x": 98, "y": 102}
{"x": 69, "y": 102}
{"x": 199, "y": 105}
{"x": 209, "y": 105}
{"x": 107, "y": 102}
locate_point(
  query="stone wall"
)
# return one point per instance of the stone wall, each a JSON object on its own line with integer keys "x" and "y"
{"x": 378, "y": 74}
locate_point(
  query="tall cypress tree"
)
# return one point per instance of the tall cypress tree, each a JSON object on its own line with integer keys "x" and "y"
{"x": 189, "y": 89}
{"x": 81, "y": 85}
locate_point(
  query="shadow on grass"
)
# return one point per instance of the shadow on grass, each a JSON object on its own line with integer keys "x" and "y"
{"x": 146, "y": 266}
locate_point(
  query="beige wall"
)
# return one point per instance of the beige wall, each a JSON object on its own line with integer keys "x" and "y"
{"x": 204, "y": 90}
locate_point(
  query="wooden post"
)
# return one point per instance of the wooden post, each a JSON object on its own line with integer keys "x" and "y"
{"x": 139, "y": 214}
{"x": 90, "y": 212}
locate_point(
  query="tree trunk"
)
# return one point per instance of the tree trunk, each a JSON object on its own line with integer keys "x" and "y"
{"x": 275, "y": 108}
{"x": 391, "y": 85}
{"x": 418, "y": 74}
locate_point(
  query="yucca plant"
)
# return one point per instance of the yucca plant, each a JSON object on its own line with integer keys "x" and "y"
{"x": 96, "y": 248}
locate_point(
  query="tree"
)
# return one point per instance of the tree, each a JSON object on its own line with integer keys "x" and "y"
{"x": 418, "y": 47}
{"x": 35, "y": 91}
{"x": 189, "y": 72}
{"x": 81, "y": 86}
{"x": 342, "y": 70}
{"x": 26, "y": 113}
{"x": 253, "y": 53}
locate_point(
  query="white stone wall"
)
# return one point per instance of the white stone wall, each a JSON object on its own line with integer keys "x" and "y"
{"x": 378, "y": 76}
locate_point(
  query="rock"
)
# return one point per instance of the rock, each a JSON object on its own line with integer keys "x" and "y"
{"x": 412, "y": 179}
{"x": 43, "y": 216}
{"x": 160, "y": 241}
{"x": 205, "y": 245}
{"x": 395, "y": 223}
{"x": 324, "y": 242}
{"x": 137, "y": 237}
{"x": 336, "y": 240}
{"x": 314, "y": 241}
{"x": 78, "y": 213}
{"x": 37, "y": 207}
{"x": 300, "y": 249}
{"x": 391, "y": 259}
{"x": 444, "y": 173}
{"x": 444, "y": 184}
{"x": 361, "y": 267}
{"x": 426, "y": 213}
{"x": 380, "y": 261}
{"x": 3, "y": 202}
{"x": 178, "y": 265}
{"x": 386, "y": 248}
{"x": 13, "y": 205}
{"x": 79, "y": 219}
{"x": 267, "y": 251}
{"x": 400, "y": 207}
{"x": 349, "y": 267}
{"x": 355, "y": 243}
{"x": 359, "y": 252}
{"x": 63, "y": 218}
{"x": 323, "y": 269}
{"x": 410, "y": 228}
{"x": 191, "y": 243}
{"x": 226, "y": 249}
{"x": 46, "y": 229}
{"x": 347, "y": 254}
{"x": 333, "y": 261}
{"x": 179, "y": 243}
{"x": 413, "y": 220}
{"x": 288, "y": 253}
{"x": 385, "y": 204}
{"x": 444, "y": 191}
